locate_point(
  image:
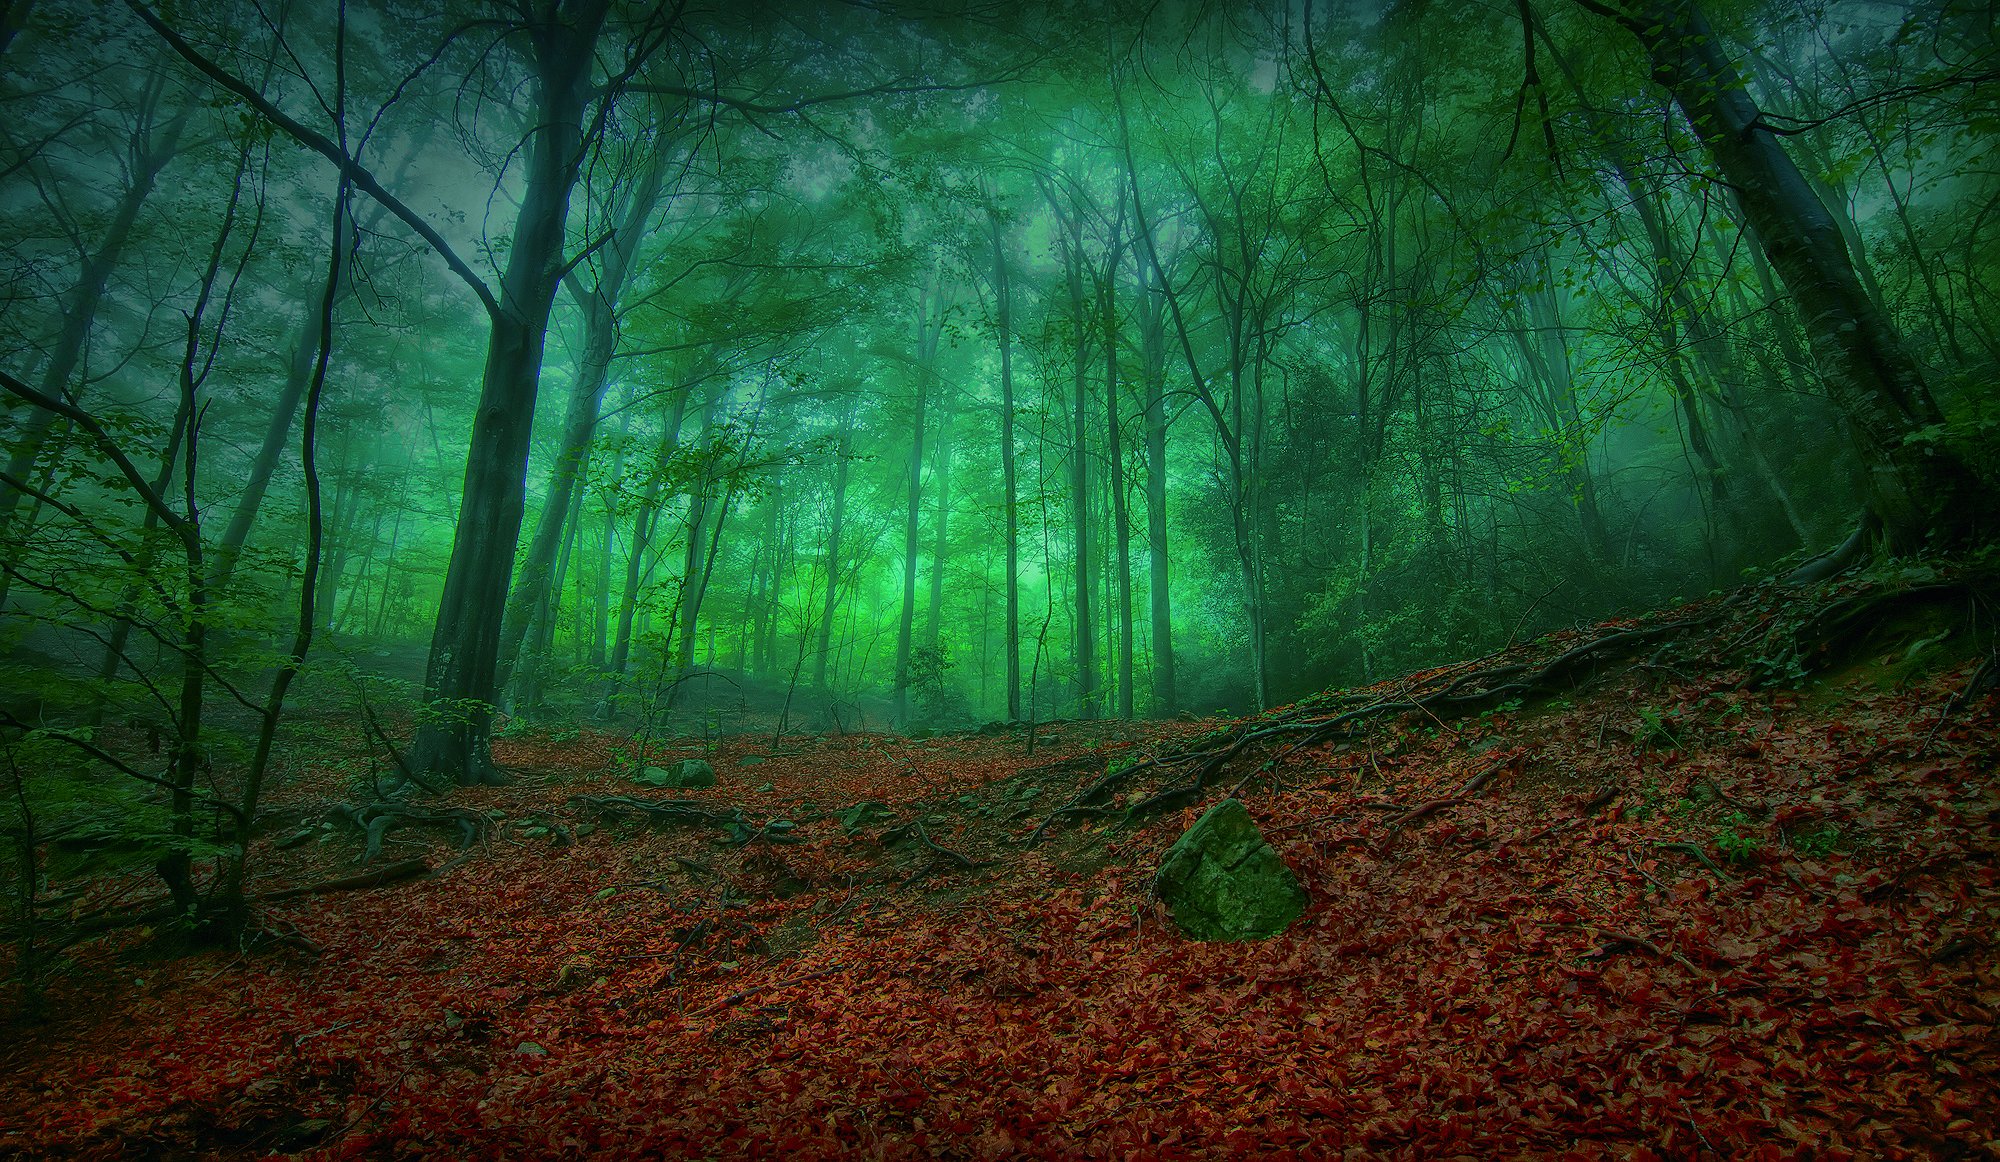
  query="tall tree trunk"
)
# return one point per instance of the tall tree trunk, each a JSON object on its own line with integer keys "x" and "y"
{"x": 941, "y": 546}
{"x": 264, "y": 465}
{"x": 1153, "y": 361}
{"x": 465, "y": 645}
{"x": 534, "y": 586}
{"x": 381, "y": 620}
{"x": 694, "y": 561}
{"x": 600, "y": 610}
{"x": 1079, "y": 463}
{"x": 277, "y": 432}
{"x": 821, "y": 656}
{"x": 645, "y": 522}
{"x": 153, "y": 145}
{"x": 1547, "y": 365}
{"x": 930, "y": 328}
{"x": 1010, "y": 499}
{"x": 532, "y": 667}
{"x": 1915, "y": 492}
{"x": 1121, "y": 521}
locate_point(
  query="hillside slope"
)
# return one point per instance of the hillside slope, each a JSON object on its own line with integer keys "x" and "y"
{"x": 1717, "y": 883}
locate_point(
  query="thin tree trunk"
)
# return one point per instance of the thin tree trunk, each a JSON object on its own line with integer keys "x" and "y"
{"x": 1121, "y": 521}
{"x": 827, "y": 607}
{"x": 941, "y": 546}
{"x": 930, "y": 328}
{"x": 1004, "y": 313}
{"x": 1071, "y": 239}
{"x": 153, "y": 146}
{"x": 1153, "y": 358}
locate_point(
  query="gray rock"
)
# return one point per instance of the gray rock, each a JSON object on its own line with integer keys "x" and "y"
{"x": 1223, "y": 881}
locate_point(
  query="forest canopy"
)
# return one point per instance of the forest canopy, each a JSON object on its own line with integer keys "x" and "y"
{"x": 935, "y": 364}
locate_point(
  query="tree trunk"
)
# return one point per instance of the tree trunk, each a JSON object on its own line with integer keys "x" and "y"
{"x": 1071, "y": 238}
{"x": 644, "y": 521}
{"x": 1121, "y": 521}
{"x": 1153, "y": 359}
{"x": 941, "y": 546}
{"x": 1004, "y": 317}
{"x": 600, "y": 609}
{"x": 930, "y": 328}
{"x": 1916, "y": 492}
{"x": 827, "y": 607}
{"x": 694, "y": 555}
{"x": 465, "y": 645}
{"x": 153, "y": 146}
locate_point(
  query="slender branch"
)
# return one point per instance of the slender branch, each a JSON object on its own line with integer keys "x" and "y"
{"x": 320, "y": 144}
{"x": 181, "y": 526}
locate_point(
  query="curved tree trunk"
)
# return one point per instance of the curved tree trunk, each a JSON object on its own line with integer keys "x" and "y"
{"x": 1916, "y": 493}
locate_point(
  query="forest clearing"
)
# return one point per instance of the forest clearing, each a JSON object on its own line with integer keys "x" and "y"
{"x": 931, "y": 578}
{"x": 1701, "y": 917}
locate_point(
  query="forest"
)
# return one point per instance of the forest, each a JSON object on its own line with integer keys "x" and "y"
{"x": 733, "y": 570}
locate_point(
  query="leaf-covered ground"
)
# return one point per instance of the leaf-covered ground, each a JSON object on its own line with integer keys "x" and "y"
{"x": 1679, "y": 917}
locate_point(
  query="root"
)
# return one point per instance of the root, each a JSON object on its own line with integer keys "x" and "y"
{"x": 377, "y": 820}
{"x": 1462, "y": 695}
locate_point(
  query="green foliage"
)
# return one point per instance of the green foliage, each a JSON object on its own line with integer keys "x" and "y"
{"x": 1734, "y": 841}
{"x": 935, "y": 699}
{"x": 1660, "y": 729}
{"x": 1819, "y": 839}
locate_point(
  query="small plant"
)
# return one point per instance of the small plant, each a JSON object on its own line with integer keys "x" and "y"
{"x": 1815, "y": 841}
{"x": 1654, "y": 730}
{"x": 1736, "y": 847}
{"x": 1649, "y": 802}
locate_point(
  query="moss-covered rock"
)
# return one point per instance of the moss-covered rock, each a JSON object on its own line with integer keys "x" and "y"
{"x": 1223, "y": 881}
{"x": 683, "y": 774}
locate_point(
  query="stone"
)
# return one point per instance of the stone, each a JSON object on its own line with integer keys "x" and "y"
{"x": 1223, "y": 881}
{"x": 683, "y": 774}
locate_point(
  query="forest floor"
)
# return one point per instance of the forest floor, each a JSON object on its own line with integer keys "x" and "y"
{"x": 1716, "y": 883}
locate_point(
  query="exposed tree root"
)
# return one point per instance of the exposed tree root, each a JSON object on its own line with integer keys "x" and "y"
{"x": 1453, "y": 696}
{"x": 377, "y": 820}
{"x": 1787, "y": 631}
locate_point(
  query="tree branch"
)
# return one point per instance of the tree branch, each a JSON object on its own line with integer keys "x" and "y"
{"x": 319, "y": 143}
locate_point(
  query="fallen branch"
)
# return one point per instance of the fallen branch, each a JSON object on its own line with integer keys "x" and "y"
{"x": 1473, "y": 789}
{"x": 1495, "y": 685}
{"x": 389, "y": 874}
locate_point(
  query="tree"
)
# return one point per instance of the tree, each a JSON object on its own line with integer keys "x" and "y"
{"x": 1917, "y": 492}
